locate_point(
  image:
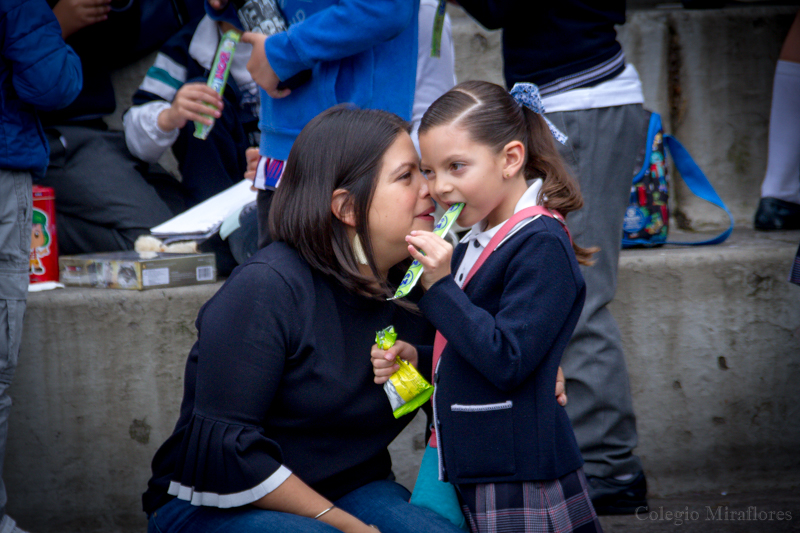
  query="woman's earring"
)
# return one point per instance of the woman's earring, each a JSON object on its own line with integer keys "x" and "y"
{"x": 358, "y": 251}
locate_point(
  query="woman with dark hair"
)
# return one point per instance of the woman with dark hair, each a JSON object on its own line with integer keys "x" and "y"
{"x": 282, "y": 427}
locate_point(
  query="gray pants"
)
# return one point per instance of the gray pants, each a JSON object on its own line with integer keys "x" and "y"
{"x": 605, "y": 149}
{"x": 15, "y": 242}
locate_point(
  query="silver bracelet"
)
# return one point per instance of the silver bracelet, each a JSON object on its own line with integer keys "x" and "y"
{"x": 325, "y": 511}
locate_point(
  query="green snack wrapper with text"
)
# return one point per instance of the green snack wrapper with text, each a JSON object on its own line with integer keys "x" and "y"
{"x": 415, "y": 270}
{"x": 218, "y": 77}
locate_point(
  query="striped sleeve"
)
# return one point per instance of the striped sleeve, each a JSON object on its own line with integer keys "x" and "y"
{"x": 164, "y": 78}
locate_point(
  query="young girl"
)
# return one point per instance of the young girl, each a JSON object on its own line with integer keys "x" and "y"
{"x": 503, "y": 440}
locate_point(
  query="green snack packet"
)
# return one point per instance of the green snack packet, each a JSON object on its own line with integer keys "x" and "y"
{"x": 415, "y": 270}
{"x": 406, "y": 388}
{"x": 218, "y": 77}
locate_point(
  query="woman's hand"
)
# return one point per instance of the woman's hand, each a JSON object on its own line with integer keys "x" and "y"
{"x": 190, "y": 104}
{"x": 561, "y": 388}
{"x": 436, "y": 258}
{"x": 383, "y": 361}
{"x": 74, "y": 15}
{"x": 258, "y": 66}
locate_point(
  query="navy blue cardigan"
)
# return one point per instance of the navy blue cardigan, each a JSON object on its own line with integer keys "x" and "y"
{"x": 496, "y": 413}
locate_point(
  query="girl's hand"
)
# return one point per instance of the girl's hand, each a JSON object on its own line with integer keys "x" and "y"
{"x": 436, "y": 260}
{"x": 190, "y": 104}
{"x": 258, "y": 66}
{"x": 74, "y": 15}
{"x": 383, "y": 361}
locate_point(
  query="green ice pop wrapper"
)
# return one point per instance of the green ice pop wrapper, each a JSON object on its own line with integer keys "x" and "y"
{"x": 218, "y": 77}
{"x": 415, "y": 270}
{"x": 406, "y": 388}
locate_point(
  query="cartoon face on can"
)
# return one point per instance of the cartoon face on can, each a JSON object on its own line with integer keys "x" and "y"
{"x": 40, "y": 242}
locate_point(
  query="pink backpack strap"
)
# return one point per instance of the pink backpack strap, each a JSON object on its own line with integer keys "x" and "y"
{"x": 507, "y": 227}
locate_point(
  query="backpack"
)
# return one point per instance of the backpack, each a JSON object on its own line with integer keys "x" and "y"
{"x": 646, "y": 222}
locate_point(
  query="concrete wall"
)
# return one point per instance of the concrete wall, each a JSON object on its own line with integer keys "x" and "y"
{"x": 97, "y": 391}
{"x": 708, "y": 72}
{"x": 712, "y": 340}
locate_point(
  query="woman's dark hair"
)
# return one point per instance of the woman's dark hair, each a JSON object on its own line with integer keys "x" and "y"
{"x": 493, "y": 117}
{"x": 341, "y": 148}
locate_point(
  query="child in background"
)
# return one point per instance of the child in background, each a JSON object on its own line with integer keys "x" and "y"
{"x": 361, "y": 52}
{"x": 503, "y": 439}
{"x": 174, "y": 93}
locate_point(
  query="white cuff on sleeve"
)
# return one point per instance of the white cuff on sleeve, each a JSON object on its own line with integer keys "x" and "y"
{"x": 226, "y": 501}
{"x": 144, "y": 138}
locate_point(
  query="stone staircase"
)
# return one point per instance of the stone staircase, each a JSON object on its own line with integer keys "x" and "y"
{"x": 712, "y": 334}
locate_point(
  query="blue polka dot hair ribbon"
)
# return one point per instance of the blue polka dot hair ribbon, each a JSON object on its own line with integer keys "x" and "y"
{"x": 527, "y": 94}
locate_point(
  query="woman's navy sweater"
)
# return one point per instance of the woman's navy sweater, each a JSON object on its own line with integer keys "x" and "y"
{"x": 281, "y": 377}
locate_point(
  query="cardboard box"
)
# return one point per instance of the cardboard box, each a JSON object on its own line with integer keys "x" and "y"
{"x": 137, "y": 270}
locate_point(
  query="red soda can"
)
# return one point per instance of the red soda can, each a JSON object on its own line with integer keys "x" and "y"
{"x": 44, "y": 245}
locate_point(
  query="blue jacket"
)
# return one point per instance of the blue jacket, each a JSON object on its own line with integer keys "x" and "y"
{"x": 362, "y": 52}
{"x": 496, "y": 415}
{"x": 38, "y": 71}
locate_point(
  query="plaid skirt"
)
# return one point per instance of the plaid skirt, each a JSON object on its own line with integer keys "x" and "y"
{"x": 557, "y": 506}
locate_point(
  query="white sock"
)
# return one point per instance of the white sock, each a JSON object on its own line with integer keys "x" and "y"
{"x": 783, "y": 162}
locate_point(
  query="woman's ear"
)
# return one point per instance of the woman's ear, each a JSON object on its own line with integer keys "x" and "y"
{"x": 342, "y": 207}
{"x": 513, "y": 158}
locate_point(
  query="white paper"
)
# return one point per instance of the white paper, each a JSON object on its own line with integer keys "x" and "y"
{"x": 205, "y": 218}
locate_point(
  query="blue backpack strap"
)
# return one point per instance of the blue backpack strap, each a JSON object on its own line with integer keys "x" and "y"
{"x": 698, "y": 184}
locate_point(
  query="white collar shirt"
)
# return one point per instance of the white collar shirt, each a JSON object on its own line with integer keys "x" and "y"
{"x": 477, "y": 239}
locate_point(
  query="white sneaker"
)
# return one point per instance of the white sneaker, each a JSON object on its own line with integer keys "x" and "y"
{"x": 7, "y": 525}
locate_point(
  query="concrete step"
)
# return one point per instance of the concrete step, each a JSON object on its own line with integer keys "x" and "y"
{"x": 708, "y": 73}
{"x": 711, "y": 337}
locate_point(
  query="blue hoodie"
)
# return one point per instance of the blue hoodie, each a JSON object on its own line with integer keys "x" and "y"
{"x": 362, "y": 52}
{"x": 38, "y": 71}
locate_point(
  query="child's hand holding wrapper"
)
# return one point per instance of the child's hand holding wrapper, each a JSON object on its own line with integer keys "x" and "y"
{"x": 406, "y": 388}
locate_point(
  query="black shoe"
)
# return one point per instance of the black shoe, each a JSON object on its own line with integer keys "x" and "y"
{"x": 611, "y": 496}
{"x": 775, "y": 214}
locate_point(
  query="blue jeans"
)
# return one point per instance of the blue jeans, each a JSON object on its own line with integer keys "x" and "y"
{"x": 15, "y": 243}
{"x": 382, "y": 503}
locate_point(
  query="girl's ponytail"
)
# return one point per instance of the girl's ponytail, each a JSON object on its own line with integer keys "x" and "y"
{"x": 559, "y": 191}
